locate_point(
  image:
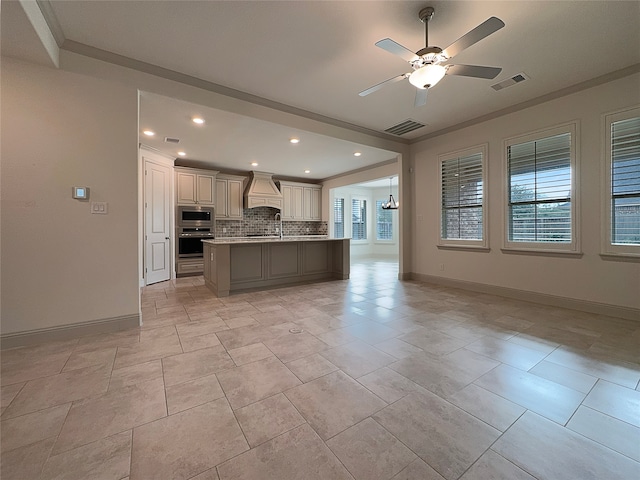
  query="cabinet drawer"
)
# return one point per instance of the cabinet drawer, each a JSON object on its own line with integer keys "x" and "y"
{"x": 190, "y": 267}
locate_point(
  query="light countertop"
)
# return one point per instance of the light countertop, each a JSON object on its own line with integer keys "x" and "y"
{"x": 270, "y": 239}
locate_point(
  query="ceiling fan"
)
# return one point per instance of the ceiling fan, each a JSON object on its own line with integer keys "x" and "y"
{"x": 430, "y": 63}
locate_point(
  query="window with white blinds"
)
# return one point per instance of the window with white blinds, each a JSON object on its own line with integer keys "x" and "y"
{"x": 358, "y": 219}
{"x": 384, "y": 222}
{"x": 338, "y": 218}
{"x": 462, "y": 182}
{"x": 540, "y": 177}
{"x": 623, "y": 169}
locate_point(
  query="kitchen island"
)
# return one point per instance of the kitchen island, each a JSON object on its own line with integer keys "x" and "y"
{"x": 255, "y": 263}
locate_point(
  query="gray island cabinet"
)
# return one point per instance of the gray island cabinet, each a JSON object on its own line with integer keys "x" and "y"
{"x": 237, "y": 264}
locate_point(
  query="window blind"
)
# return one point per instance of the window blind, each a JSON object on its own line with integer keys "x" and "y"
{"x": 338, "y": 217}
{"x": 384, "y": 222}
{"x": 625, "y": 181}
{"x": 462, "y": 202}
{"x": 540, "y": 190}
{"x": 359, "y": 219}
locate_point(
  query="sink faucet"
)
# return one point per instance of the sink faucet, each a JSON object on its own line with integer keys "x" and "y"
{"x": 279, "y": 217}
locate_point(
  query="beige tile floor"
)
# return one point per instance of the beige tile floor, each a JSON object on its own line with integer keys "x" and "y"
{"x": 388, "y": 380}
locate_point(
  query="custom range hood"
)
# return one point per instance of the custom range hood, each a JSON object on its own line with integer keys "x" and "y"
{"x": 262, "y": 192}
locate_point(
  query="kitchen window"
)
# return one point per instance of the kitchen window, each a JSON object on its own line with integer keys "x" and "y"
{"x": 384, "y": 222}
{"x": 462, "y": 198}
{"x": 338, "y": 217}
{"x": 541, "y": 191}
{"x": 622, "y": 177}
{"x": 358, "y": 219}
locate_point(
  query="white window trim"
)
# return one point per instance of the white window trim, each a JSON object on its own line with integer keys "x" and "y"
{"x": 607, "y": 248}
{"x": 392, "y": 240}
{"x": 574, "y": 247}
{"x": 367, "y": 219}
{"x": 482, "y": 244}
{"x": 332, "y": 222}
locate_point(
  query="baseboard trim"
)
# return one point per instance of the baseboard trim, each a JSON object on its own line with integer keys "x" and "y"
{"x": 534, "y": 297}
{"x": 67, "y": 332}
{"x": 404, "y": 276}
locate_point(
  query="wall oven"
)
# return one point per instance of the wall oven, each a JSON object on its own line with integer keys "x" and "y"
{"x": 195, "y": 216}
{"x": 190, "y": 241}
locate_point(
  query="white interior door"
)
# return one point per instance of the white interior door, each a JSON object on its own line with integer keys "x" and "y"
{"x": 157, "y": 223}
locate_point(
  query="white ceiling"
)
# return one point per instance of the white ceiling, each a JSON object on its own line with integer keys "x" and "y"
{"x": 317, "y": 55}
{"x": 380, "y": 183}
{"x": 229, "y": 141}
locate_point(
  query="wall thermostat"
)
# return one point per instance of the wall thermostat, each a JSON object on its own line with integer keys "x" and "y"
{"x": 81, "y": 193}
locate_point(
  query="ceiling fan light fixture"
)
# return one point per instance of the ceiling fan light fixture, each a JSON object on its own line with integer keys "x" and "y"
{"x": 427, "y": 76}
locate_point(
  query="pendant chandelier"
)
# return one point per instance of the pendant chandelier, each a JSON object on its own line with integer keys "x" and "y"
{"x": 391, "y": 204}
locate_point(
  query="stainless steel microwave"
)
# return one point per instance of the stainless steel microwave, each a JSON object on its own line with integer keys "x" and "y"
{"x": 195, "y": 216}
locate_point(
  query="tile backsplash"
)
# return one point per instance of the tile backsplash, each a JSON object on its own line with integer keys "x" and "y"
{"x": 261, "y": 221}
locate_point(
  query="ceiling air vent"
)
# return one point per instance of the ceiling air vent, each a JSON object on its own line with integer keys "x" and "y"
{"x": 520, "y": 77}
{"x": 171, "y": 140}
{"x": 404, "y": 127}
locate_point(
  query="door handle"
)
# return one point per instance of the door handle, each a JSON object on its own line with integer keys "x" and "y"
{"x": 167, "y": 238}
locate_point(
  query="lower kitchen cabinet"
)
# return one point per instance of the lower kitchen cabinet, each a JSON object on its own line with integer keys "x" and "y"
{"x": 241, "y": 266}
{"x": 189, "y": 267}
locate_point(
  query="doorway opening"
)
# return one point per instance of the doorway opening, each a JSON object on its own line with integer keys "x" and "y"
{"x": 356, "y": 212}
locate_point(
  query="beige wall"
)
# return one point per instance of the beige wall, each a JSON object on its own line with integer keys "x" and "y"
{"x": 590, "y": 278}
{"x": 60, "y": 264}
{"x": 78, "y": 126}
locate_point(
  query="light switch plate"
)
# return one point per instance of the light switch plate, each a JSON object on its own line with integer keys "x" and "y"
{"x": 99, "y": 208}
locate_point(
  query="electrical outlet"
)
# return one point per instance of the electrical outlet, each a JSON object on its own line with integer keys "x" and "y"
{"x": 442, "y": 267}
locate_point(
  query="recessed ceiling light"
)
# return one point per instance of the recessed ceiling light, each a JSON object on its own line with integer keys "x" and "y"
{"x": 254, "y": 164}
{"x": 307, "y": 171}
{"x": 295, "y": 140}
{"x": 198, "y": 120}
{"x": 182, "y": 154}
{"x": 357, "y": 154}
{"x": 149, "y": 133}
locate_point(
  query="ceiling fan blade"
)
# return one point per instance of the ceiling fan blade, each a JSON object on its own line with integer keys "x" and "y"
{"x": 483, "y": 30}
{"x": 397, "y": 49}
{"x": 474, "y": 71}
{"x": 421, "y": 97}
{"x": 382, "y": 84}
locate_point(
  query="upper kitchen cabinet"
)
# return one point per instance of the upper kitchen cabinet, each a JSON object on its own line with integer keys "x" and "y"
{"x": 229, "y": 189}
{"x": 311, "y": 198}
{"x": 195, "y": 187}
{"x": 301, "y": 201}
